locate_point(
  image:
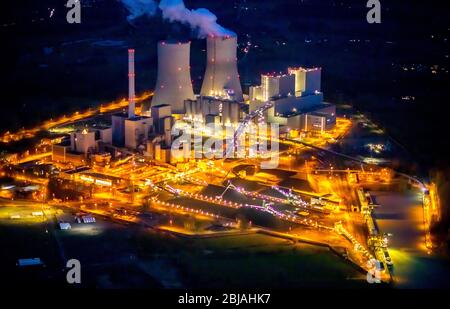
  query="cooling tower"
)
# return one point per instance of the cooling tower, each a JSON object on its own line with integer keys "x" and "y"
{"x": 221, "y": 77}
{"x": 174, "y": 83}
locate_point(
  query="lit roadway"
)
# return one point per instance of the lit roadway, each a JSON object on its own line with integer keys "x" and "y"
{"x": 9, "y": 137}
{"x": 34, "y": 157}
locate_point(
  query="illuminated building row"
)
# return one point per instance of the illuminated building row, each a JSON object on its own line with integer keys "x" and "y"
{"x": 297, "y": 100}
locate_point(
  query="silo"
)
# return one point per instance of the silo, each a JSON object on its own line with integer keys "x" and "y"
{"x": 221, "y": 74}
{"x": 174, "y": 84}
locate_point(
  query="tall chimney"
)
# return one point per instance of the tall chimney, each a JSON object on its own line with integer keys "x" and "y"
{"x": 174, "y": 84}
{"x": 221, "y": 70}
{"x": 131, "y": 84}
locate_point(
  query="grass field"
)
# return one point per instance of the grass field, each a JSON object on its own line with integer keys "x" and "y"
{"x": 266, "y": 262}
{"x": 128, "y": 256}
{"x": 27, "y": 237}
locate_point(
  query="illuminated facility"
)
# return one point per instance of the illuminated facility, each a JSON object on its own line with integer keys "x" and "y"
{"x": 216, "y": 110}
{"x": 122, "y": 161}
{"x": 297, "y": 100}
{"x": 293, "y": 100}
{"x": 307, "y": 81}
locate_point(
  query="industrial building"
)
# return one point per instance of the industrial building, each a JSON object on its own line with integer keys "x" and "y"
{"x": 83, "y": 142}
{"x": 161, "y": 136}
{"x": 289, "y": 104}
{"x": 307, "y": 81}
{"x": 317, "y": 118}
{"x": 81, "y": 145}
{"x": 87, "y": 140}
{"x": 297, "y": 100}
{"x": 299, "y": 82}
{"x": 223, "y": 111}
{"x": 174, "y": 84}
{"x": 221, "y": 77}
{"x": 296, "y": 96}
{"x": 118, "y": 128}
{"x": 273, "y": 86}
{"x": 161, "y": 111}
{"x": 136, "y": 131}
{"x": 62, "y": 153}
{"x": 163, "y": 122}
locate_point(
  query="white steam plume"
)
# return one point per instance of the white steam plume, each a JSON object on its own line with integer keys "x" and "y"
{"x": 138, "y": 8}
{"x": 203, "y": 21}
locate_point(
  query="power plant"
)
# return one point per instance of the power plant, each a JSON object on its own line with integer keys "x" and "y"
{"x": 295, "y": 99}
{"x": 174, "y": 84}
{"x": 182, "y": 172}
{"x": 221, "y": 77}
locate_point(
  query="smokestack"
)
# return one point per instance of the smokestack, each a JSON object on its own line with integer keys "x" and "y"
{"x": 131, "y": 84}
{"x": 221, "y": 71}
{"x": 174, "y": 83}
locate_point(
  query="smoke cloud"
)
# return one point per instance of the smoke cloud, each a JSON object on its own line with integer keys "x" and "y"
{"x": 138, "y": 8}
{"x": 202, "y": 21}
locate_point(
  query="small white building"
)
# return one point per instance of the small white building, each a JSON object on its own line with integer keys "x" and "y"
{"x": 83, "y": 141}
{"x": 65, "y": 226}
{"x": 88, "y": 219}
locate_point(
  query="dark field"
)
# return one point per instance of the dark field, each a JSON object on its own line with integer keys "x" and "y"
{"x": 117, "y": 256}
